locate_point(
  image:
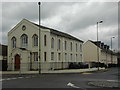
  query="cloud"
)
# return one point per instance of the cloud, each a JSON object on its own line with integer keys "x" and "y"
{"x": 78, "y": 18}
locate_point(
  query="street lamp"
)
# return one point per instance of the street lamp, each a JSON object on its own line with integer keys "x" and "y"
{"x": 111, "y": 50}
{"x": 98, "y": 44}
{"x": 39, "y": 46}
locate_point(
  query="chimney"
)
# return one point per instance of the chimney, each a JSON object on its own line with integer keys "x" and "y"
{"x": 105, "y": 47}
{"x": 102, "y": 45}
{"x": 108, "y": 47}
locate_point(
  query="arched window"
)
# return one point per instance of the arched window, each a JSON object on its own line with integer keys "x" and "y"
{"x": 45, "y": 40}
{"x": 71, "y": 46}
{"x": 76, "y": 47}
{"x": 24, "y": 41}
{"x": 13, "y": 42}
{"x": 35, "y": 40}
{"x": 52, "y": 43}
{"x": 65, "y": 45}
{"x": 80, "y": 48}
{"x": 59, "y": 44}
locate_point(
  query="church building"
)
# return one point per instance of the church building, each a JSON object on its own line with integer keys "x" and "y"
{"x": 57, "y": 49}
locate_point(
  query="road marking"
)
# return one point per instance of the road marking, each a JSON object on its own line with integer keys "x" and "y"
{"x": 10, "y": 79}
{"x": 112, "y": 80}
{"x": 87, "y": 73}
{"x": 20, "y": 77}
{"x": 13, "y": 78}
{"x": 73, "y": 86}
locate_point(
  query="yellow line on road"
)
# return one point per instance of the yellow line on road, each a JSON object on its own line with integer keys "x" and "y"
{"x": 87, "y": 73}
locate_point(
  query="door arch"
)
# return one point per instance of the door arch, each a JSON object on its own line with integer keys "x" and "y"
{"x": 17, "y": 62}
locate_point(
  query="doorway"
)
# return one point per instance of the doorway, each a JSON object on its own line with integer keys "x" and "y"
{"x": 17, "y": 62}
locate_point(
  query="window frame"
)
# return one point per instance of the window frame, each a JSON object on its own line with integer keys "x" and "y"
{"x": 35, "y": 56}
{"x": 52, "y": 56}
{"x": 14, "y": 41}
{"x": 52, "y": 42}
{"x": 24, "y": 41}
{"x": 35, "y": 40}
{"x": 45, "y": 40}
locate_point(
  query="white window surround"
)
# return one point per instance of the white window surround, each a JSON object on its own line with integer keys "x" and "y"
{"x": 35, "y": 40}
{"x": 13, "y": 42}
{"x": 24, "y": 41}
{"x": 52, "y": 43}
{"x": 52, "y": 55}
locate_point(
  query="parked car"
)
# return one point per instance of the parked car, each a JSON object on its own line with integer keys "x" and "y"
{"x": 78, "y": 65}
{"x": 100, "y": 65}
{"x": 96, "y": 64}
{"x": 74, "y": 65}
{"x": 83, "y": 65}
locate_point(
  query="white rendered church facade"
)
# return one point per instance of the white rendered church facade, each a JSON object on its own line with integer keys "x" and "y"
{"x": 57, "y": 49}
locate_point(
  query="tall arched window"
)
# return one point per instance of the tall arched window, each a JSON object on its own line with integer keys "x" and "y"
{"x": 71, "y": 46}
{"x": 59, "y": 44}
{"x": 80, "y": 48}
{"x": 13, "y": 42}
{"x": 65, "y": 45}
{"x": 35, "y": 40}
{"x": 45, "y": 40}
{"x": 52, "y": 43}
{"x": 24, "y": 41}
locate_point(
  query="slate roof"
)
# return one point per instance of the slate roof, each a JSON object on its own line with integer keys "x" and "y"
{"x": 59, "y": 33}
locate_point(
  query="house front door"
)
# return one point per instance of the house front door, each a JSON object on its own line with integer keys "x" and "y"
{"x": 17, "y": 62}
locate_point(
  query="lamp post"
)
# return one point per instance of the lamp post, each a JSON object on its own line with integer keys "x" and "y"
{"x": 111, "y": 50}
{"x": 39, "y": 46}
{"x": 98, "y": 44}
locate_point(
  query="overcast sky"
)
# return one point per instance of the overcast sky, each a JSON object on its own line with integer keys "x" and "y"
{"x": 76, "y": 18}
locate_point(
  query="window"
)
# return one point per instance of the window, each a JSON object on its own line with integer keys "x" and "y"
{"x": 35, "y": 56}
{"x": 65, "y": 45}
{"x": 45, "y": 56}
{"x": 24, "y": 41}
{"x": 52, "y": 43}
{"x": 71, "y": 57}
{"x": 52, "y": 55}
{"x": 59, "y": 44}
{"x": 76, "y": 57}
{"x": 59, "y": 56}
{"x": 81, "y": 57}
{"x": 35, "y": 40}
{"x": 80, "y": 48}
{"x": 66, "y": 56}
{"x": 45, "y": 40}
{"x": 76, "y": 47}
{"x": 13, "y": 42}
{"x": 71, "y": 46}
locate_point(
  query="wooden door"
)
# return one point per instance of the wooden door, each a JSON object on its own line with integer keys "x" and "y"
{"x": 17, "y": 62}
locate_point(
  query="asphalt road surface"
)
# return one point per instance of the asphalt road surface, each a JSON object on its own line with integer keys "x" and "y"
{"x": 76, "y": 80}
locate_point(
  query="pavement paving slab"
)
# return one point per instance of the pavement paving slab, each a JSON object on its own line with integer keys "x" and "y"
{"x": 106, "y": 84}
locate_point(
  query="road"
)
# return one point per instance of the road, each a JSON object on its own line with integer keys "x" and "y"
{"x": 76, "y": 80}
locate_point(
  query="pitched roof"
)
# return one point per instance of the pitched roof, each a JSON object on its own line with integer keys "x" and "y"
{"x": 104, "y": 48}
{"x": 59, "y": 33}
{"x": 3, "y": 50}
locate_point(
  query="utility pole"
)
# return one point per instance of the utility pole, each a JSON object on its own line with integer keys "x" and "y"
{"x": 39, "y": 45}
{"x": 98, "y": 44}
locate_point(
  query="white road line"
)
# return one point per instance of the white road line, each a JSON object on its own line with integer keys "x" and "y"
{"x": 13, "y": 78}
{"x": 73, "y": 86}
{"x": 20, "y": 77}
{"x": 8, "y": 79}
{"x": 112, "y": 80}
{"x": 2, "y": 80}
{"x": 27, "y": 77}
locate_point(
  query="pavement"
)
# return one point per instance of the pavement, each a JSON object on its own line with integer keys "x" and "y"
{"x": 52, "y": 71}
